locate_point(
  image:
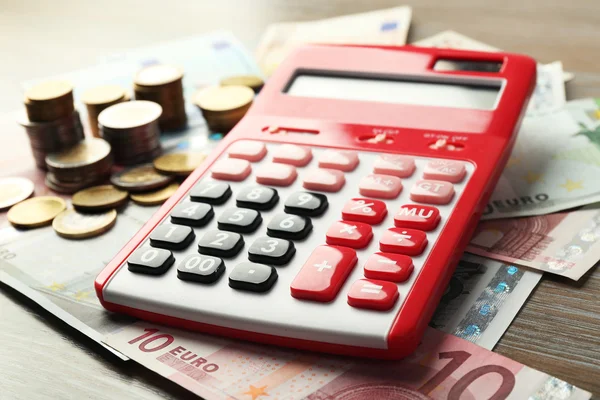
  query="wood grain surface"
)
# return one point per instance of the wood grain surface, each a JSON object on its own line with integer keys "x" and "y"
{"x": 558, "y": 330}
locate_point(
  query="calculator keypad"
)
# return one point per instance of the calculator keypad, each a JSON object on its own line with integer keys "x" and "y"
{"x": 241, "y": 220}
{"x": 306, "y": 204}
{"x": 148, "y": 260}
{"x": 221, "y": 244}
{"x": 211, "y": 192}
{"x": 324, "y": 273}
{"x": 172, "y": 237}
{"x": 200, "y": 268}
{"x": 192, "y": 214}
{"x": 346, "y": 233}
{"x": 252, "y": 277}
{"x": 289, "y": 226}
{"x": 273, "y": 251}
{"x": 257, "y": 198}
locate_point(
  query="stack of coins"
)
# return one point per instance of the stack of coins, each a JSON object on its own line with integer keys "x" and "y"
{"x": 50, "y": 119}
{"x": 132, "y": 130}
{"x": 85, "y": 164}
{"x": 100, "y": 98}
{"x": 223, "y": 106}
{"x": 163, "y": 84}
{"x": 252, "y": 81}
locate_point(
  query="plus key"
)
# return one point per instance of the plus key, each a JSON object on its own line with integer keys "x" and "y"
{"x": 322, "y": 276}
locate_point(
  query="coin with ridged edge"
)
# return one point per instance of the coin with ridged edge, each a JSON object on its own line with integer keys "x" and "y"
{"x": 142, "y": 178}
{"x": 36, "y": 212}
{"x": 158, "y": 74}
{"x": 14, "y": 190}
{"x": 72, "y": 224}
{"x": 181, "y": 164}
{"x": 155, "y": 198}
{"x": 223, "y": 98}
{"x": 99, "y": 198}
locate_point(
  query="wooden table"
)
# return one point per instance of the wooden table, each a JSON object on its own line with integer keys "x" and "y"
{"x": 558, "y": 330}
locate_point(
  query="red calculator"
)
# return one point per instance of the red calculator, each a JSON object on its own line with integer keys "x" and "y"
{"x": 332, "y": 216}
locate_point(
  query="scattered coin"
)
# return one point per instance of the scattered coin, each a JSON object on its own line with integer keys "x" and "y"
{"x": 223, "y": 106}
{"x": 156, "y": 197}
{"x": 71, "y": 224}
{"x": 35, "y": 212}
{"x": 181, "y": 164}
{"x": 254, "y": 82}
{"x": 140, "y": 179}
{"x": 14, "y": 190}
{"x": 99, "y": 198}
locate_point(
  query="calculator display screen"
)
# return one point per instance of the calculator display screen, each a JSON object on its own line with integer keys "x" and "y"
{"x": 441, "y": 93}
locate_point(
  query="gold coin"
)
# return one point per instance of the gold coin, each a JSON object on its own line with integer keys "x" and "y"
{"x": 223, "y": 98}
{"x": 14, "y": 190}
{"x": 99, "y": 198}
{"x": 252, "y": 81}
{"x": 35, "y": 212}
{"x": 84, "y": 153}
{"x": 140, "y": 179}
{"x": 73, "y": 225}
{"x": 130, "y": 114}
{"x": 179, "y": 163}
{"x": 48, "y": 90}
{"x": 157, "y": 197}
{"x": 159, "y": 74}
{"x": 103, "y": 95}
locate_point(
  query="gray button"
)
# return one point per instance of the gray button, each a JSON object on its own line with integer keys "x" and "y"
{"x": 173, "y": 237}
{"x": 148, "y": 260}
{"x": 252, "y": 277}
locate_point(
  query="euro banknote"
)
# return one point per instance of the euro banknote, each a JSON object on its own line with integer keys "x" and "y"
{"x": 566, "y": 244}
{"x": 443, "y": 367}
{"x": 382, "y": 27}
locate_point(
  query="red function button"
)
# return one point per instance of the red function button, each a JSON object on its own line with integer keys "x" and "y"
{"x": 396, "y": 165}
{"x": 293, "y": 155}
{"x": 350, "y": 234}
{"x": 324, "y": 180}
{"x": 231, "y": 169}
{"x": 322, "y": 276}
{"x": 373, "y": 294}
{"x": 364, "y": 210}
{"x": 389, "y": 267}
{"x": 432, "y": 192}
{"x": 403, "y": 241}
{"x": 445, "y": 170}
{"x": 276, "y": 174}
{"x": 381, "y": 186}
{"x": 250, "y": 150}
{"x": 424, "y": 218}
{"x": 343, "y": 160}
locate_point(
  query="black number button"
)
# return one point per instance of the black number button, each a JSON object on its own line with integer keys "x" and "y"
{"x": 268, "y": 250}
{"x": 211, "y": 192}
{"x": 192, "y": 214}
{"x": 257, "y": 198}
{"x": 200, "y": 268}
{"x": 242, "y": 220}
{"x": 252, "y": 277}
{"x": 287, "y": 226}
{"x": 221, "y": 244}
{"x": 306, "y": 203}
{"x": 149, "y": 260}
{"x": 173, "y": 237}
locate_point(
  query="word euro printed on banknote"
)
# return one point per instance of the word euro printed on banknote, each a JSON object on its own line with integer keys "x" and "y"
{"x": 443, "y": 367}
{"x": 566, "y": 244}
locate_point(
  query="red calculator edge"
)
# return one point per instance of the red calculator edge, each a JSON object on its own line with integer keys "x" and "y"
{"x": 485, "y": 137}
